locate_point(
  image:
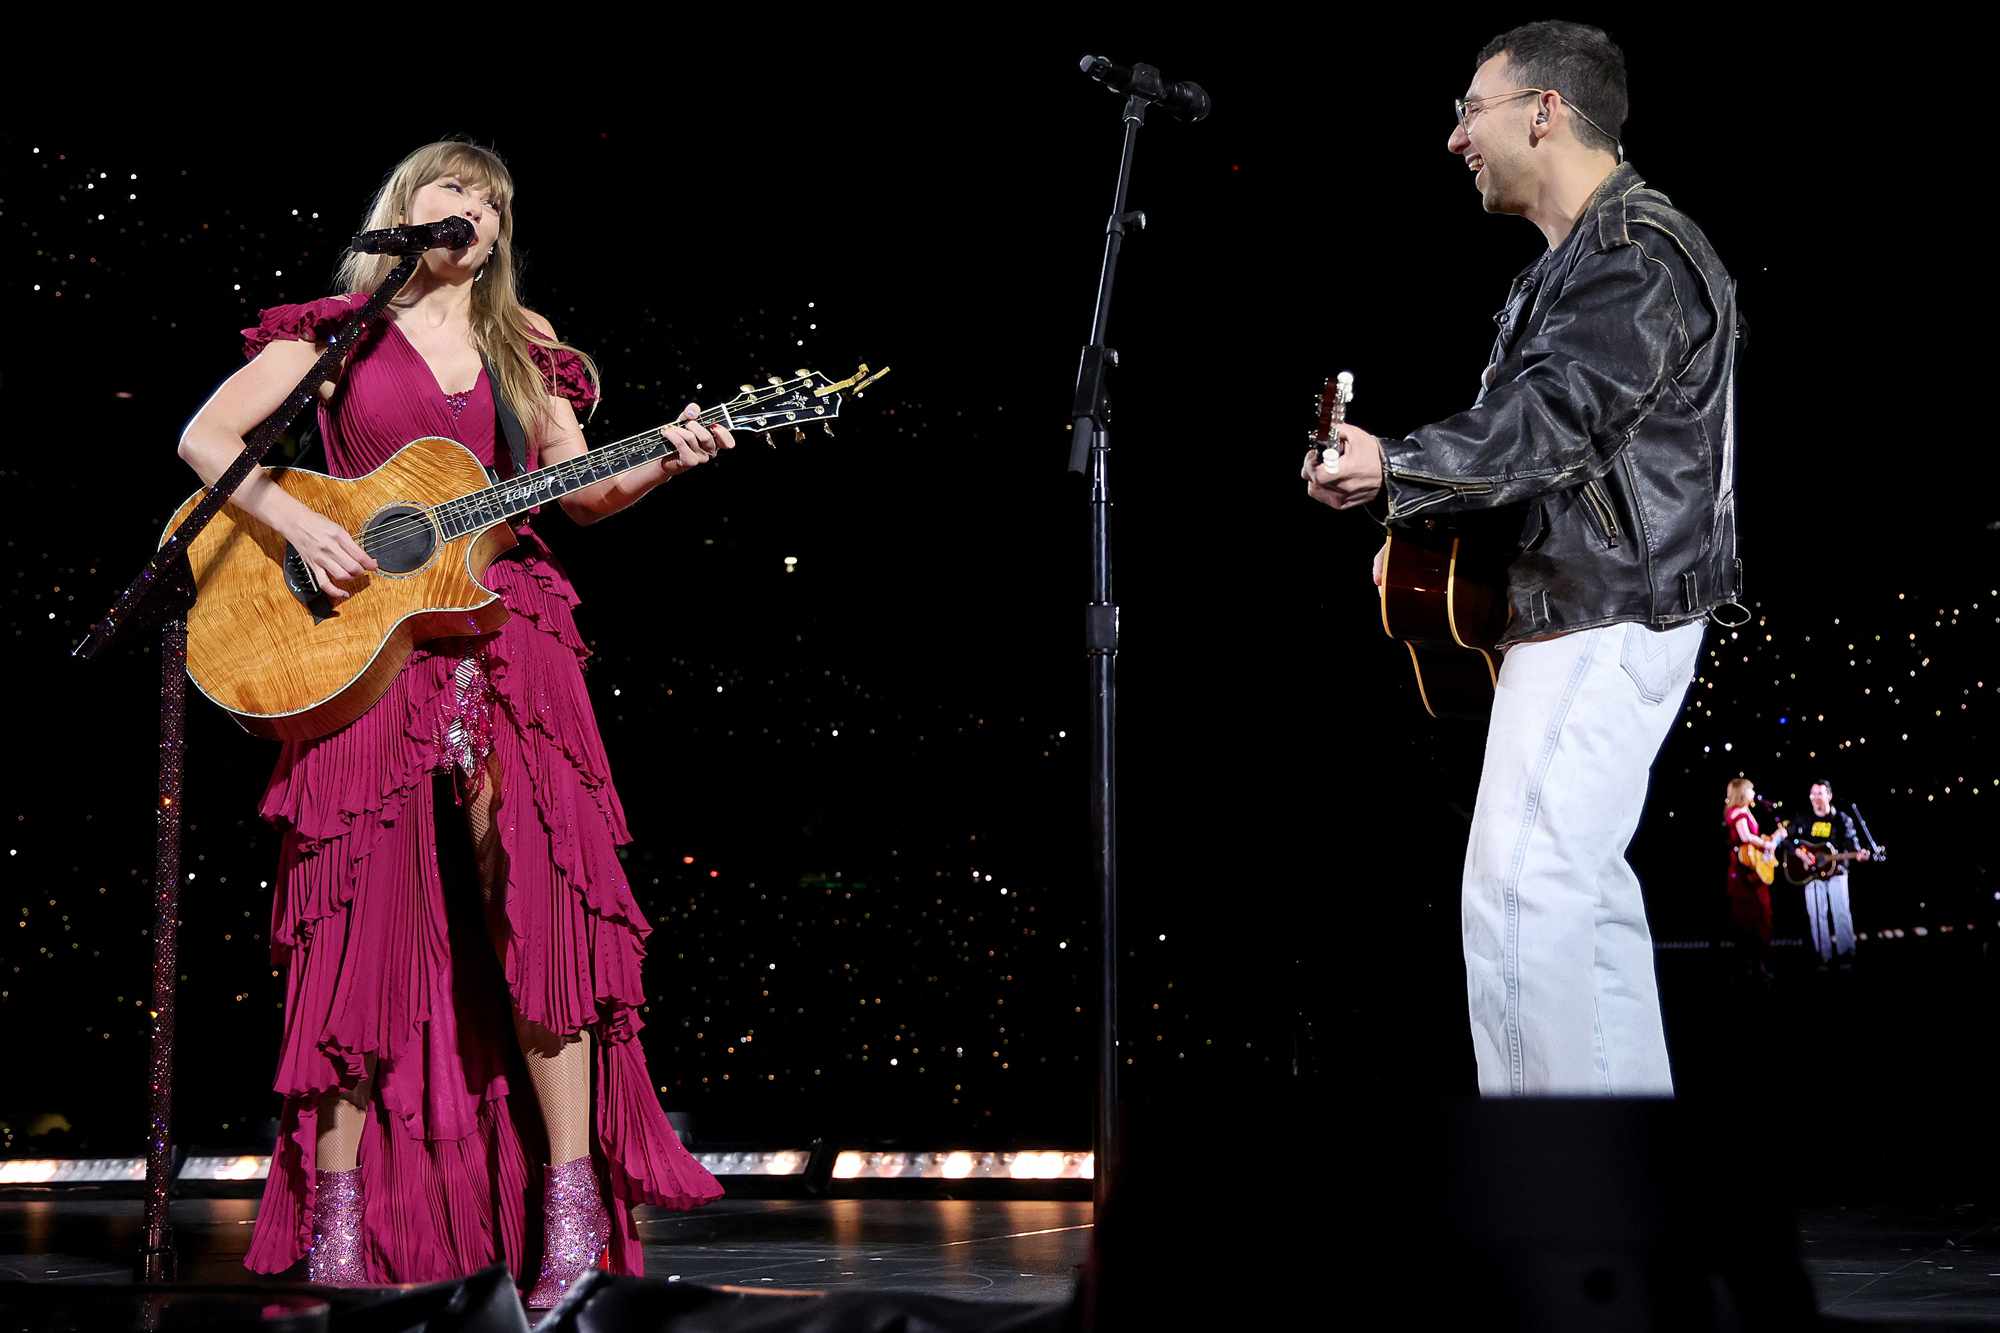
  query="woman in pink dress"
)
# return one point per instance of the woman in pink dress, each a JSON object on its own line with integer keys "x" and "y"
{"x": 404, "y": 1155}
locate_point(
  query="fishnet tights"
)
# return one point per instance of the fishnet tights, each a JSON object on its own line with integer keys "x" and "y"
{"x": 559, "y": 1070}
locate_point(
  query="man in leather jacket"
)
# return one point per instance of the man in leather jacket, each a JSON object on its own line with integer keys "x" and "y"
{"x": 1606, "y": 422}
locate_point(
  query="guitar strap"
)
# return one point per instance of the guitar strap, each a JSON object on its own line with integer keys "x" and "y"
{"x": 509, "y": 425}
{"x": 504, "y": 417}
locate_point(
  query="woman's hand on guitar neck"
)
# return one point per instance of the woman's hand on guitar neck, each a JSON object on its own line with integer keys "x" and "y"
{"x": 332, "y": 552}
{"x": 694, "y": 443}
{"x": 1348, "y": 478}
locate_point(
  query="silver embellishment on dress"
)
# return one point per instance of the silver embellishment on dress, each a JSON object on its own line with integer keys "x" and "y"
{"x": 468, "y": 726}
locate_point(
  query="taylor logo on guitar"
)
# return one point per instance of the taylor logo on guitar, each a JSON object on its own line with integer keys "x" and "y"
{"x": 1443, "y": 591}
{"x": 266, "y": 644}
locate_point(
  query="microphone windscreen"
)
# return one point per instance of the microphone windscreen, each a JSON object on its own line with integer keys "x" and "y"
{"x": 455, "y": 233}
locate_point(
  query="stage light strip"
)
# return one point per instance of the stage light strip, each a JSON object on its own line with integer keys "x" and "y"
{"x": 964, "y": 1165}
{"x": 961, "y": 1164}
{"x": 62, "y": 1171}
{"x": 225, "y": 1168}
{"x": 754, "y": 1163}
{"x": 70, "y": 1170}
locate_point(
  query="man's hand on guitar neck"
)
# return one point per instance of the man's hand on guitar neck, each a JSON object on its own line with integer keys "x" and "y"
{"x": 1351, "y": 477}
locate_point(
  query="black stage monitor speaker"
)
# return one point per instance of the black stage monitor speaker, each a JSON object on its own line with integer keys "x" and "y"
{"x": 483, "y": 1303}
{"x": 1529, "y": 1213}
{"x": 598, "y": 1303}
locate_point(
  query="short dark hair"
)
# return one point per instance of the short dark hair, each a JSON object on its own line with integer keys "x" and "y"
{"x": 1822, "y": 782}
{"x": 1578, "y": 61}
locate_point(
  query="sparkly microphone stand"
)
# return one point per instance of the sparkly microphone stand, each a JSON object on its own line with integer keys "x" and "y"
{"x": 162, "y": 594}
{"x": 1090, "y": 451}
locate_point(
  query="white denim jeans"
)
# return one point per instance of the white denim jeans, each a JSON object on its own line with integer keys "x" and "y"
{"x": 1558, "y": 958}
{"x": 1828, "y": 898}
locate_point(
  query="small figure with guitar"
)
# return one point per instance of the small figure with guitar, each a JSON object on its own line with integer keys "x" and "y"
{"x": 1818, "y": 861}
{"x": 1596, "y": 468}
{"x": 1753, "y": 865}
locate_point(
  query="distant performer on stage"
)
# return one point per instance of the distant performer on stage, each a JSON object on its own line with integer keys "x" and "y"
{"x": 1749, "y": 891}
{"x": 1825, "y": 845}
{"x": 404, "y": 1153}
{"x": 1605, "y": 430}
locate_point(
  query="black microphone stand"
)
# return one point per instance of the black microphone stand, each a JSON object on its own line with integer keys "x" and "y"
{"x": 1874, "y": 847}
{"x": 1090, "y": 450}
{"x": 163, "y": 593}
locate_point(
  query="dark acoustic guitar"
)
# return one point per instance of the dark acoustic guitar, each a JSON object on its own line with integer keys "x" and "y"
{"x": 1443, "y": 592}
{"x": 1826, "y": 861}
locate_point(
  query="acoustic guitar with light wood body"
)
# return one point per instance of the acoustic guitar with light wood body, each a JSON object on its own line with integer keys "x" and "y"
{"x": 1764, "y": 863}
{"x": 268, "y": 645}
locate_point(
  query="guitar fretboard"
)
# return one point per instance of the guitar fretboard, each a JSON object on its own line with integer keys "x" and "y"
{"x": 517, "y": 495}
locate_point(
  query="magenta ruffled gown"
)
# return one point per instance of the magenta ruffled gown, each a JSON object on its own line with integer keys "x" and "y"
{"x": 360, "y": 924}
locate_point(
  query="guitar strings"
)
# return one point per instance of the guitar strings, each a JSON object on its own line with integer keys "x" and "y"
{"x": 425, "y": 519}
{"x": 567, "y": 470}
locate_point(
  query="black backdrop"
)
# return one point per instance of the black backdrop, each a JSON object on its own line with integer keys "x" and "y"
{"x": 710, "y": 210}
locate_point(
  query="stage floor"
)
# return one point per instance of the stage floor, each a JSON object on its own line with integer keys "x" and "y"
{"x": 1868, "y": 1264}
{"x": 987, "y": 1249}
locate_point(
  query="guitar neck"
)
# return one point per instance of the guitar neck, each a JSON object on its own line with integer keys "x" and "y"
{"x": 808, "y": 398}
{"x": 517, "y": 495}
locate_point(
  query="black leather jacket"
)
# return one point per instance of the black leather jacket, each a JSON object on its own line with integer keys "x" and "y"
{"x": 1607, "y": 419}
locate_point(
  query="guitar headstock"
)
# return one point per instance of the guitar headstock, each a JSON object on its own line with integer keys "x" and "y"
{"x": 1334, "y": 397}
{"x": 808, "y": 397}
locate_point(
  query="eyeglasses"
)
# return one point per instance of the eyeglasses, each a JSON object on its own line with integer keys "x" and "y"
{"x": 1479, "y": 104}
{"x": 1468, "y": 108}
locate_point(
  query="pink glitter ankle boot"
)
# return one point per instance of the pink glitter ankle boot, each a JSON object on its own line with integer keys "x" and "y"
{"x": 335, "y": 1257}
{"x": 575, "y": 1229}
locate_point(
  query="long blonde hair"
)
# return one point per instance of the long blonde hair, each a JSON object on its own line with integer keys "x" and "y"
{"x": 500, "y": 329}
{"x": 1739, "y": 793}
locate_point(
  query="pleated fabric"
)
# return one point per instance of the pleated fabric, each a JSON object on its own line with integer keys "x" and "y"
{"x": 386, "y": 962}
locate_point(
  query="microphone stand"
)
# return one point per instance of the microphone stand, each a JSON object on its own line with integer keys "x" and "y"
{"x": 1874, "y": 847}
{"x": 1090, "y": 451}
{"x": 162, "y": 593}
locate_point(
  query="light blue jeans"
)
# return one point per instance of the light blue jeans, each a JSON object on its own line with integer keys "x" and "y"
{"x": 1558, "y": 957}
{"x": 1828, "y": 898}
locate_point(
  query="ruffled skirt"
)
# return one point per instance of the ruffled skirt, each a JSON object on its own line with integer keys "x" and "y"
{"x": 377, "y": 966}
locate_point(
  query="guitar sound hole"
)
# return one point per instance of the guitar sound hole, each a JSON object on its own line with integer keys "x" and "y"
{"x": 401, "y": 539}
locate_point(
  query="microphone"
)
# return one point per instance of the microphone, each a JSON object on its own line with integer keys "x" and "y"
{"x": 1186, "y": 100}
{"x": 452, "y": 233}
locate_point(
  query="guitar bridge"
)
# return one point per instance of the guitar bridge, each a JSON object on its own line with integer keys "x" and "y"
{"x": 300, "y": 582}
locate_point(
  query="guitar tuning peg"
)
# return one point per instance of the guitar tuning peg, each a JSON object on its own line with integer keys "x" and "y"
{"x": 803, "y": 374}
{"x": 747, "y": 388}
{"x": 827, "y": 426}
{"x": 775, "y": 380}
{"x": 798, "y": 436}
